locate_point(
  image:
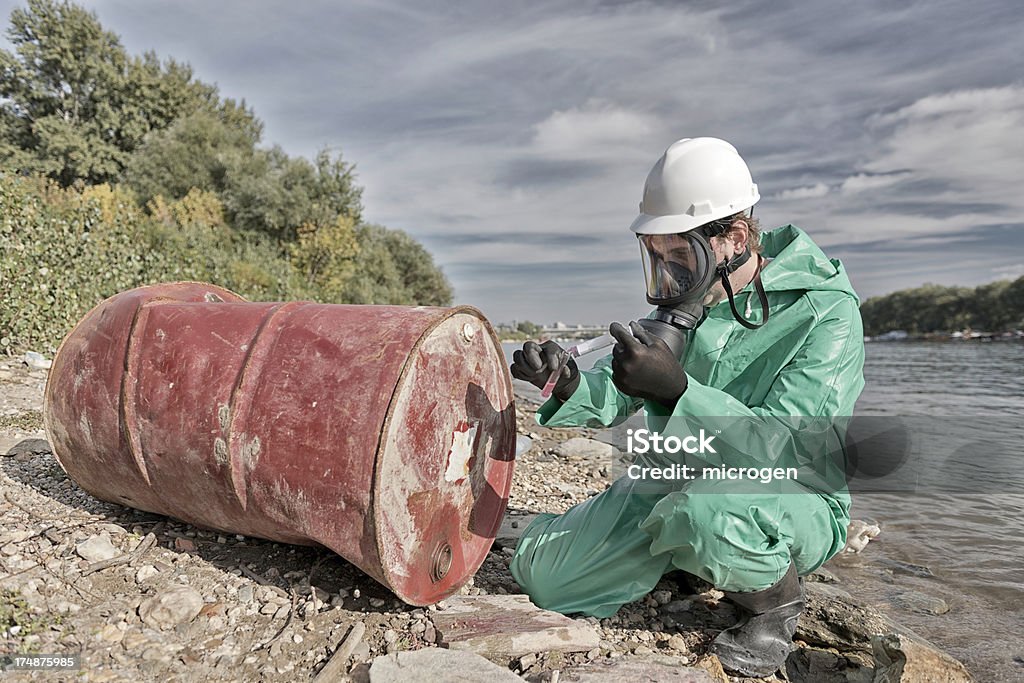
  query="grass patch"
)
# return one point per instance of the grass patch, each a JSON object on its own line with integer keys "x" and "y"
{"x": 28, "y": 421}
{"x": 16, "y": 615}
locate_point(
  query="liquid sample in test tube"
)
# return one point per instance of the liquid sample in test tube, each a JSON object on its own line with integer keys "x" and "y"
{"x": 575, "y": 352}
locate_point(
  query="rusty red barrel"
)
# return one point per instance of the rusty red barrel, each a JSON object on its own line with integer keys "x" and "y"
{"x": 385, "y": 433}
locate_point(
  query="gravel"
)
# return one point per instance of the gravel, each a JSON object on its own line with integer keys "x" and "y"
{"x": 207, "y": 605}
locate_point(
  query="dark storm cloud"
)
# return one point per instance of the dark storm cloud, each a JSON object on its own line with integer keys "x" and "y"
{"x": 979, "y": 240}
{"x": 527, "y": 173}
{"x": 537, "y": 239}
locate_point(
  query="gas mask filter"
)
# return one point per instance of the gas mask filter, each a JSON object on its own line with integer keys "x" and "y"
{"x": 679, "y": 269}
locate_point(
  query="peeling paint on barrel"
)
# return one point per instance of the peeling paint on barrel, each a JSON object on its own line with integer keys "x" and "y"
{"x": 460, "y": 455}
{"x": 298, "y": 422}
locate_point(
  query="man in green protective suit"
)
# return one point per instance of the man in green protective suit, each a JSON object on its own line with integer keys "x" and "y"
{"x": 774, "y": 383}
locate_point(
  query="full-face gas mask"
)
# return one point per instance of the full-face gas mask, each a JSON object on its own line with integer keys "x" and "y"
{"x": 692, "y": 193}
{"x": 679, "y": 269}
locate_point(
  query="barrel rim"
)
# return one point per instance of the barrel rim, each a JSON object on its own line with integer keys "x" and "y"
{"x": 387, "y": 422}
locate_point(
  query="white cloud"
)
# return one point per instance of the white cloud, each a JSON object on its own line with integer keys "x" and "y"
{"x": 1010, "y": 272}
{"x": 805, "y": 192}
{"x": 960, "y": 149}
{"x": 563, "y": 35}
{"x": 867, "y": 181}
{"x": 957, "y": 103}
{"x": 590, "y": 130}
{"x": 969, "y": 141}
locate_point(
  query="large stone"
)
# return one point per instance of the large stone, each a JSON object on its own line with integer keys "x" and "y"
{"x": 580, "y": 448}
{"x": 435, "y": 664}
{"x": 822, "y": 575}
{"x": 26, "y": 448}
{"x": 914, "y": 601}
{"x": 833, "y": 619}
{"x": 637, "y": 669}
{"x": 505, "y": 627}
{"x": 36, "y": 361}
{"x": 901, "y": 659}
{"x": 97, "y": 548}
{"x": 811, "y": 665}
{"x": 174, "y": 606}
{"x": 713, "y": 667}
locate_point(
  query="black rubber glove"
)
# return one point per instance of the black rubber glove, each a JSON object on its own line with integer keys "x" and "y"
{"x": 643, "y": 366}
{"x": 536, "y": 362}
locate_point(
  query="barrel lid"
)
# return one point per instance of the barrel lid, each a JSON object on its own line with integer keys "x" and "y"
{"x": 444, "y": 465}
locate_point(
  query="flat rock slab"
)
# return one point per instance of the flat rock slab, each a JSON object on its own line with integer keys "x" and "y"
{"x": 512, "y": 528}
{"x": 582, "y": 448}
{"x": 839, "y": 622}
{"x": 174, "y": 606}
{"x": 504, "y": 627}
{"x": 435, "y": 664}
{"x": 920, "y": 602}
{"x": 97, "y": 548}
{"x": 637, "y": 671}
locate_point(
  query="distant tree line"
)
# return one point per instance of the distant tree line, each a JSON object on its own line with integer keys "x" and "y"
{"x": 522, "y": 331}
{"x": 99, "y": 147}
{"x": 994, "y": 307}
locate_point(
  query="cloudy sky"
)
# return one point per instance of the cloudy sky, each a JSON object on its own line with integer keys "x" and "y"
{"x": 513, "y": 138}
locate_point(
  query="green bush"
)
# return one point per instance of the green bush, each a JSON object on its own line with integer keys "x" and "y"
{"x": 64, "y": 251}
{"x": 58, "y": 256}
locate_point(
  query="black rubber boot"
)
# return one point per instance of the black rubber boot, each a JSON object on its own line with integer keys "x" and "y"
{"x": 759, "y": 644}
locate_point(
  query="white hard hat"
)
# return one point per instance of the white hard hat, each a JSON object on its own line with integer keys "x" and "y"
{"x": 696, "y": 181}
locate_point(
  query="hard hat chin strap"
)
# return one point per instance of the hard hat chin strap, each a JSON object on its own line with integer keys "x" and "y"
{"x": 724, "y": 270}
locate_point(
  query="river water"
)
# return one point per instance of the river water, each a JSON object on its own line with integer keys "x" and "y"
{"x": 964, "y": 547}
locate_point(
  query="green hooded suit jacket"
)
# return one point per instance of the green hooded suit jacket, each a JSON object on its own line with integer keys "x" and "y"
{"x": 776, "y": 396}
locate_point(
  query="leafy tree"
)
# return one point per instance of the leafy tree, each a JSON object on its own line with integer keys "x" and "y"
{"x": 274, "y": 193}
{"x": 324, "y": 256}
{"x": 392, "y": 268}
{"x": 424, "y": 282}
{"x": 76, "y": 107}
{"x": 993, "y": 307}
{"x": 75, "y": 104}
{"x": 528, "y": 328}
{"x": 197, "y": 208}
{"x": 76, "y": 110}
{"x": 334, "y": 189}
{"x": 1012, "y": 299}
{"x": 201, "y": 150}
{"x": 986, "y": 306}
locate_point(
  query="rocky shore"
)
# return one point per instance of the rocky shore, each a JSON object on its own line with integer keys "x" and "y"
{"x": 142, "y": 597}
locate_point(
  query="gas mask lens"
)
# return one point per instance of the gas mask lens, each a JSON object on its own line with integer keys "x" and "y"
{"x": 676, "y": 267}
